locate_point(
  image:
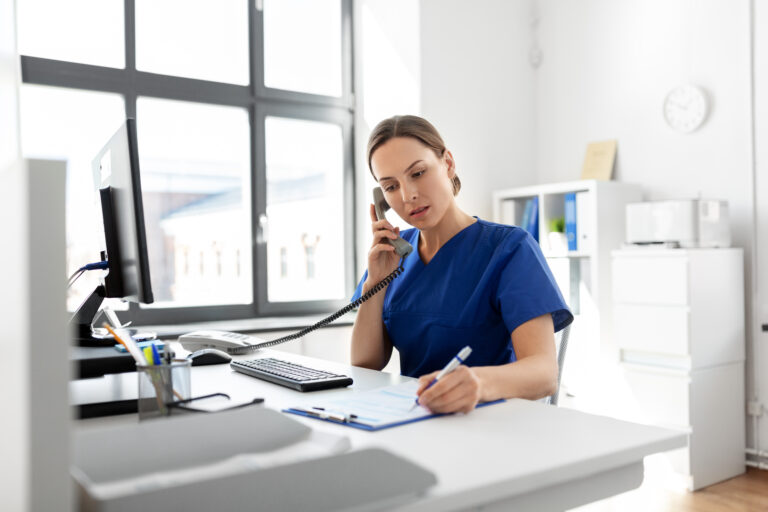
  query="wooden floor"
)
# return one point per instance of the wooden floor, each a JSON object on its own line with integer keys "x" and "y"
{"x": 747, "y": 493}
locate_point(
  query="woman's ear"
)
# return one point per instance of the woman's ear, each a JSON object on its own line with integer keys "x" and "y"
{"x": 448, "y": 157}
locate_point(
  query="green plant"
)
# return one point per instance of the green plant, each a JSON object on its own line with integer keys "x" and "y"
{"x": 557, "y": 224}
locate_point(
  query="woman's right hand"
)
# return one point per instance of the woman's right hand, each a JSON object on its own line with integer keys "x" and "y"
{"x": 382, "y": 259}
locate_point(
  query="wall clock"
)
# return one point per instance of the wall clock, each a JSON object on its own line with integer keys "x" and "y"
{"x": 685, "y": 108}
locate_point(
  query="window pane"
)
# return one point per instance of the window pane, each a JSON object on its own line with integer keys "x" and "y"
{"x": 85, "y": 31}
{"x": 195, "y": 162}
{"x": 305, "y": 207}
{"x": 302, "y": 45}
{"x": 194, "y": 39}
{"x": 66, "y": 124}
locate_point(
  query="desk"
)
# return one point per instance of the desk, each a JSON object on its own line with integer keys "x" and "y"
{"x": 518, "y": 455}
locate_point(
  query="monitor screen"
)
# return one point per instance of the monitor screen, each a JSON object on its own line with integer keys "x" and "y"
{"x": 117, "y": 176}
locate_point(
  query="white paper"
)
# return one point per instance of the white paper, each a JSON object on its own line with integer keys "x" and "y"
{"x": 375, "y": 408}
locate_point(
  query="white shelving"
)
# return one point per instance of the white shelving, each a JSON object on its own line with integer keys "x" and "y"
{"x": 583, "y": 275}
{"x": 679, "y": 317}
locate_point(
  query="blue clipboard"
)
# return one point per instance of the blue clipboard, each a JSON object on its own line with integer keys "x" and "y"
{"x": 350, "y": 420}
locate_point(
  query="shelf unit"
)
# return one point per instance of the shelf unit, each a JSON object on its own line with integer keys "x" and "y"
{"x": 583, "y": 275}
{"x": 679, "y": 320}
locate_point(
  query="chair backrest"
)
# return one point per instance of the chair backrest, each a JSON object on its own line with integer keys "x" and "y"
{"x": 562, "y": 345}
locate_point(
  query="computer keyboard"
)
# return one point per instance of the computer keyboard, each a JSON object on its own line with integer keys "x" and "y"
{"x": 291, "y": 375}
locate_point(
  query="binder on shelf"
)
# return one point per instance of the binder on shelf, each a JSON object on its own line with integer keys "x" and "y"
{"x": 571, "y": 221}
{"x": 582, "y": 221}
{"x": 532, "y": 224}
{"x": 526, "y": 214}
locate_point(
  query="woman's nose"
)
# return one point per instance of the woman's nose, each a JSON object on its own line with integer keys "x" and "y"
{"x": 410, "y": 192}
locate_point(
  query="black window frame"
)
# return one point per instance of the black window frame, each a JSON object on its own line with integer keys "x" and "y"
{"x": 260, "y": 101}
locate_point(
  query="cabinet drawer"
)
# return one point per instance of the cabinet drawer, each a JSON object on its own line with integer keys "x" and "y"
{"x": 659, "y": 397}
{"x": 650, "y": 280}
{"x": 662, "y": 329}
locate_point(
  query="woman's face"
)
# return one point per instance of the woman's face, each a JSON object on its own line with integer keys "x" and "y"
{"x": 416, "y": 182}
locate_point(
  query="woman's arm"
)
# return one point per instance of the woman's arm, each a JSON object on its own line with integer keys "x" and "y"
{"x": 532, "y": 376}
{"x": 371, "y": 347}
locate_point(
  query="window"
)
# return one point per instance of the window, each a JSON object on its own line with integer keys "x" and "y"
{"x": 70, "y": 124}
{"x": 195, "y": 167}
{"x": 244, "y": 113}
{"x": 310, "y": 256}
{"x": 309, "y": 181}
{"x": 303, "y": 38}
{"x": 283, "y": 262}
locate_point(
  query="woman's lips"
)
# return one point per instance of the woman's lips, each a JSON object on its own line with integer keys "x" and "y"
{"x": 419, "y": 212}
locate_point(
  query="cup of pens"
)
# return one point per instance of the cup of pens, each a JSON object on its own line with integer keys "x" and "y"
{"x": 160, "y": 385}
{"x": 162, "y": 379}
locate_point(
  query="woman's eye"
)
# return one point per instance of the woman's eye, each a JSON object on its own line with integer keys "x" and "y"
{"x": 389, "y": 188}
{"x": 417, "y": 174}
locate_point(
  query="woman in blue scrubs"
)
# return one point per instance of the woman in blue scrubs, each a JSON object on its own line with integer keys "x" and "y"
{"x": 467, "y": 282}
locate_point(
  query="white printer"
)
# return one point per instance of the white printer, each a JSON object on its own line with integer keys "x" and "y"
{"x": 679, "y": 223}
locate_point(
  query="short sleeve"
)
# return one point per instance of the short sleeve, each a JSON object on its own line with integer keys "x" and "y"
{"x": 527, "y": 289}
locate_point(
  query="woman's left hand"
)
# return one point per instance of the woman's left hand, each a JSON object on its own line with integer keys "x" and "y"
{"x": 459, "y": 391}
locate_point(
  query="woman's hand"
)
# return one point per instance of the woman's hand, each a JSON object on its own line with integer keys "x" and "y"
{"x": 459, "y": 391}
{"x": 382, "y": 259}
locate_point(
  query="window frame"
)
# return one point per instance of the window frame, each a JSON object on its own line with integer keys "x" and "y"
{"x": 260, "y": 101}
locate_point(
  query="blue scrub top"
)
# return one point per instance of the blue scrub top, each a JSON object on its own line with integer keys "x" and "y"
{"x": 480, "y": 286}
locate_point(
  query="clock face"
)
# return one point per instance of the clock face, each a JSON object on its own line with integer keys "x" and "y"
{"x": 685, "y": 108}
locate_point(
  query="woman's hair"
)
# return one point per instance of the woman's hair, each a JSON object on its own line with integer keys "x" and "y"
{"x": 409, "y": 126}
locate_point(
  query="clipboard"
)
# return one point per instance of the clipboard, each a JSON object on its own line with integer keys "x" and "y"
{"x": 373, "y": 410}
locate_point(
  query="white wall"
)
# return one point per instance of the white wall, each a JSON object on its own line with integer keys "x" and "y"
{"x": 760, "y": 354}
{"x": 14, "y": 369}
{"x": 477, "y": 88}
{"x": 607, "y": 66}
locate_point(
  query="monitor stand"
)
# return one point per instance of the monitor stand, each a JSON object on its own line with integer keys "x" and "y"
{"x": 86, "y": 335}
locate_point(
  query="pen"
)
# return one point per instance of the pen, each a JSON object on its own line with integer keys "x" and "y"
{"x": 452, "y": 365}
{"x": 131, "y": 348}
{"x": 155, "y": 354}
{"x": 321, "y": 413}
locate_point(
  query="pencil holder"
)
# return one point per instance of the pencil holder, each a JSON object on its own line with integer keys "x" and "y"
{"x": 162, "y": 385}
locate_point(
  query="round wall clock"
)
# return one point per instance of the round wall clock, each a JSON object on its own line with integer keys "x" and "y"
{"x": 685, "y": 108}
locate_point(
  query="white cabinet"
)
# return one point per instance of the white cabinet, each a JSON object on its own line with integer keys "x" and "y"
{"x": 679, "y": 324}
{"x": 582, "y": 274}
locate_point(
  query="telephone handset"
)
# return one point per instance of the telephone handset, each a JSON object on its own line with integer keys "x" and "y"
{"x": 402, "y": 248}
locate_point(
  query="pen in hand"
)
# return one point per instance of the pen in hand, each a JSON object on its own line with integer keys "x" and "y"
{"x": 452, "y": 365}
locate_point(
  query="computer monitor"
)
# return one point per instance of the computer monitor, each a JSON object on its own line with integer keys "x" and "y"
{"x": 118, "y": 178}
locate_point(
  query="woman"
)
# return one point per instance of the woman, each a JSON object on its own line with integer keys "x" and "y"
{"x": 467, "y": 282}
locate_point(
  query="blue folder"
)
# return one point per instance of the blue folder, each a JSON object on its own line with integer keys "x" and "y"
{"x": 570, "y": 221}
{"x": 351, "y": 422}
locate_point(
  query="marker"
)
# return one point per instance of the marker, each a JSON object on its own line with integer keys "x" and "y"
{"x": 155, "y": 353}
{"x": 452, "y": 365}
{"x": 148, "y": 355}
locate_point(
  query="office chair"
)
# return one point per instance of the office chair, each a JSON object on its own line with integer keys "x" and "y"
{"x": 562, "y": 345}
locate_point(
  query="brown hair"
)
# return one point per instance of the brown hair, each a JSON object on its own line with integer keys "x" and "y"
{"x": 409, "y": 126}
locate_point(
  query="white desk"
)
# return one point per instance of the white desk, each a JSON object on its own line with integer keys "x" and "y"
{"x": 520, "y": 454}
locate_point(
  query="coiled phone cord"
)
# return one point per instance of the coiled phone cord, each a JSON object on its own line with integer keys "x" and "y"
{"x": 327, "y": 320}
